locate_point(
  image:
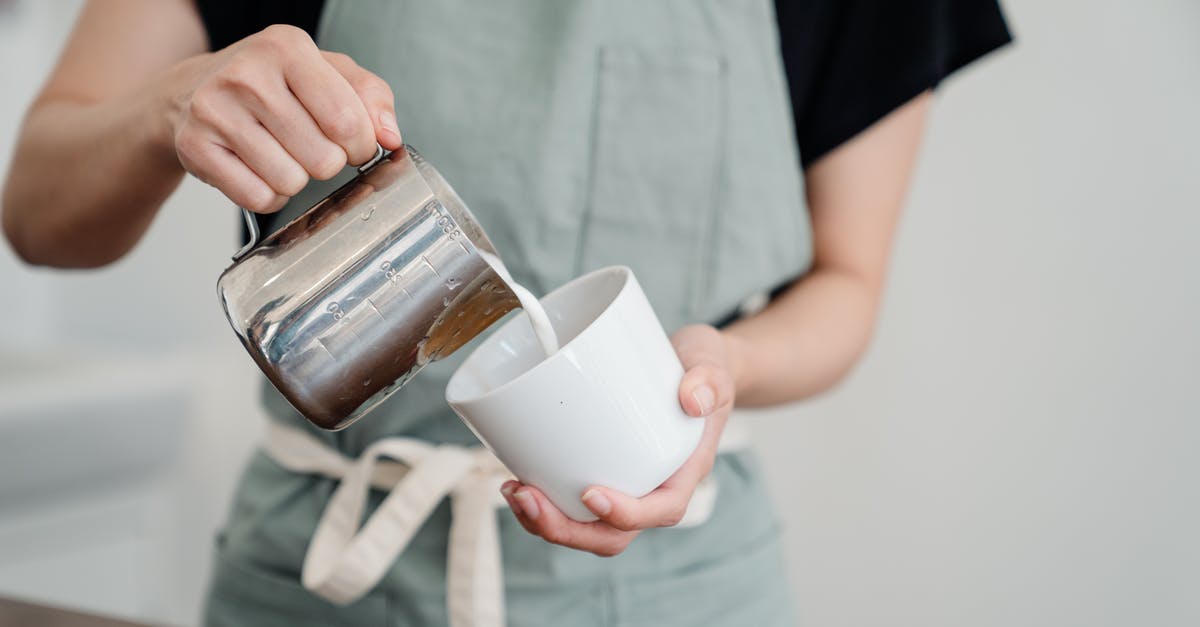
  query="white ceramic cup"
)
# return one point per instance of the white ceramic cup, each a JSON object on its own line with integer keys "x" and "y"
{"x": 603, "y": 410}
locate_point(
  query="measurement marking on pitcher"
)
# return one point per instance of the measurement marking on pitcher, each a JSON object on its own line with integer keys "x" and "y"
{"x": 426, "y": 261}
{"x": 392, "y": 274}
{"x": 335, "y": 310}
{"x": 321, "y": 341}
{"x": 372, "y": 304}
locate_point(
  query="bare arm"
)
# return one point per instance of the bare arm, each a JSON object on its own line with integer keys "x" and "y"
{"x": 93, "y": 160}
{"x": 801, "y": 344}
{"x": 135, "y": 102}
{"x": 811, "y": 335}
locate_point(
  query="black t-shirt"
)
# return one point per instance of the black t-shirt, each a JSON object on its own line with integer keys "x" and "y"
{"x": 848, "y": 62}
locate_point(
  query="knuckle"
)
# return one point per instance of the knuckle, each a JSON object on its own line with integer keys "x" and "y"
{"x": 328, "y": 164}
{"x": 284, "y": 35}
{"x": 338, "y": 59}
{"x": 203, "y": 108}
{"x": 242, "y": 77}
{"x": 556, "y": 536}
{"x": 609, "y": 550}
{"x": 376, "y": 86}
{"x": 293, "y": 183}
{"x": 624, "y": 522}
{"x": 674, "y": 516}
{"x": 615, "y": 548}
{"x": 189, "y": 143}
{"x": 343, "y": 124}
{"x": 260, "y": 199}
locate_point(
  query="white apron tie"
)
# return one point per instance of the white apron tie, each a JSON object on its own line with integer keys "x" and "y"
{"x": 344, "y": 561}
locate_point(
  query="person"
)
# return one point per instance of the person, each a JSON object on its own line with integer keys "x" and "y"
{"x": 724, "y": 150}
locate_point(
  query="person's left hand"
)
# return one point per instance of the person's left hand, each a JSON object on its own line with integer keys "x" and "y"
{"x": 706, "y": 391}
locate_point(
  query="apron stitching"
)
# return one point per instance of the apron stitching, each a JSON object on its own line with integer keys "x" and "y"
{"x": 702, "y": 284}
{"x": 610, "y": 614}
{"x": 588, "y": 204}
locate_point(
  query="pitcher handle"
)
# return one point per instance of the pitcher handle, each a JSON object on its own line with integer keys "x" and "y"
{"x": 252, "y": 224}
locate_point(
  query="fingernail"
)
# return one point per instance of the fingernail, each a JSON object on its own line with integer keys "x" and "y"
{"x": 388, "y": 122}
{"x": 704, "y": 398}
{"x": 528, "y": 503}
{"x": 507, "y": 489}
{"x": 597, "y": 502}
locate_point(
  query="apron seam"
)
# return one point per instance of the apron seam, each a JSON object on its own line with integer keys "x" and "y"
{"x": 589, "y": 188}
{"x": 611, "y": 616}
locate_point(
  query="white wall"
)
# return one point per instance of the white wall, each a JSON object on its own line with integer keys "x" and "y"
{"x": 113, "y": 347}
{"x": 1016, "y": 448}
{"x": 1019, "y": 447}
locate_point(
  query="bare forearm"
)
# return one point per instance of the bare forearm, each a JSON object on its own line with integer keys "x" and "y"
{"x": 806, "y": 340}
{"x": 811, "y": 336}
{"x": 88, "y": 178}
{"x": 135, "y": 102}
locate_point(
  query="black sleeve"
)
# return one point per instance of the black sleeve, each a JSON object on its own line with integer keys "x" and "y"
{"x": 227, "y": 21}
{"x": 851, "y": 62}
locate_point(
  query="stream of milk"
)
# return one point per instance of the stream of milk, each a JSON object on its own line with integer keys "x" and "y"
{"x": 537, "y": 314}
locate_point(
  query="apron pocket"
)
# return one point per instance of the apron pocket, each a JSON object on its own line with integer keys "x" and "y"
{"x": 243, "y": 594}
{"x": 656, "y": 156}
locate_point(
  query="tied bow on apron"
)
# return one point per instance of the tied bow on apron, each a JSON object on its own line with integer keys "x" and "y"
{"x": 346, "y": 560}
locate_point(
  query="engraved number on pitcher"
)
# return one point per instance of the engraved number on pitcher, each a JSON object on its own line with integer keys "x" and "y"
{"x": 390, "y": 272}
{"x": 335, "y": 309}
{"x": 448, "y": 227}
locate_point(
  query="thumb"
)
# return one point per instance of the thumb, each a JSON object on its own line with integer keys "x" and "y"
{"x": 375, "y": 95}
{"x": 705, "y": 389}
{"x": 707, "y": 384}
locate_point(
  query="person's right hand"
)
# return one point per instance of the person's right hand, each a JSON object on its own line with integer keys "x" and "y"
{"x": 261, "y": 117}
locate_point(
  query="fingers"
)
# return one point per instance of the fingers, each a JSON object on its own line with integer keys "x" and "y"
{"x": 272, "y": 111}
{"x": 324, "y": 92}
{"x": 664, "y": 507}
{"x": 374, "y": 94}
{"x": 259, "y": 150}
{"x": 706, "y": 389}
{"x": 211, "y": 162}
{"x": 541, "y": 518}
{"x": 293, "y": 128}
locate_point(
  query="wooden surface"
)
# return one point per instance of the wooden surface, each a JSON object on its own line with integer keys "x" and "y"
{"x": 24, "y": 614}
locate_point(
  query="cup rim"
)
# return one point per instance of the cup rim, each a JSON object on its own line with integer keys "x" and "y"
{"x": 626, "y": 276}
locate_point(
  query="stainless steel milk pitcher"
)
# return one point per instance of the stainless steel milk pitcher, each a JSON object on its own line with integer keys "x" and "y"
{"x": 344, "y": 304}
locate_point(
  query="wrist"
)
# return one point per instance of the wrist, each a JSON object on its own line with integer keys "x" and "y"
{"x": 162, "y": 107}
{"x": 738, "y": 351}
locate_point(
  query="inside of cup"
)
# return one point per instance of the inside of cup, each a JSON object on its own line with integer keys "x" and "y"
{"x": 513, "y": 349}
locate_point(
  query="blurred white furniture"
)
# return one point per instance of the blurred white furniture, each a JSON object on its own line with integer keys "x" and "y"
{"x": 89, "y": 450}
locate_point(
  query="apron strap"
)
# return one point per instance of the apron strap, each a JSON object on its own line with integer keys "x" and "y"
{"x": 474, "y": 573}
{"x": 344, "y": 561}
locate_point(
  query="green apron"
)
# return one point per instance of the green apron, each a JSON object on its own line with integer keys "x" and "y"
{"x": 582, "y": 133}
